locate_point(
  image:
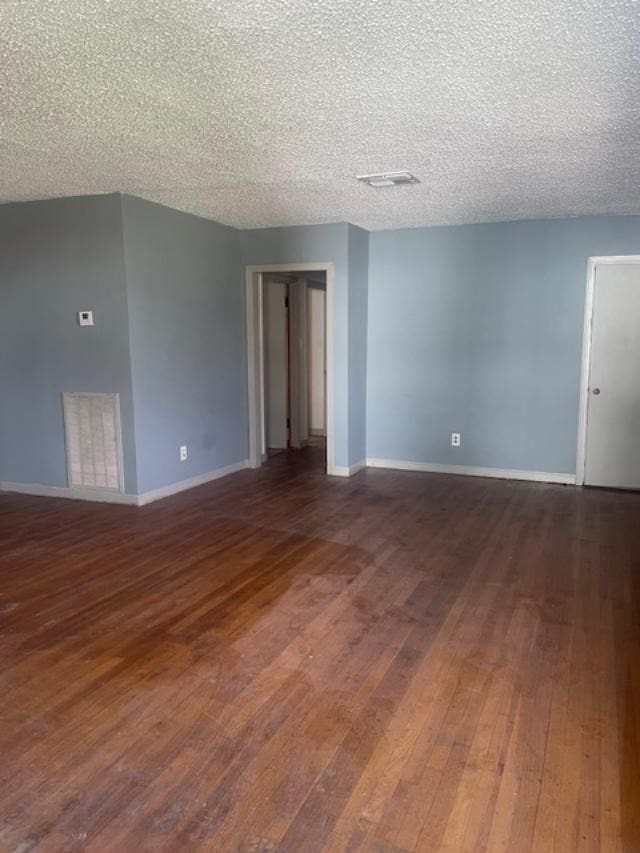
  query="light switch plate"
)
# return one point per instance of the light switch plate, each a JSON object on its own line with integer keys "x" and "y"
{"x": 85, "y": 318}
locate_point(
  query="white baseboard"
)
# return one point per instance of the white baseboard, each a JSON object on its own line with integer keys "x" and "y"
{"x": 474, "y": 471}
{"x": 349, "y": 470}
{"x": 74, "y": 493}
{"x": 190, "y": 483}
{"x": 108, "y": 496}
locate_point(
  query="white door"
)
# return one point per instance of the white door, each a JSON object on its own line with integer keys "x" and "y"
{"x": 317, "y": 371}
{"x": 612, "y": 456}
{"x": 298, "y": 363}
{"x": 275, "y": 363}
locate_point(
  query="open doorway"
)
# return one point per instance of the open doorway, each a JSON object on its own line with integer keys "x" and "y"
{"x": 294, "y": 333}
{"x": 289, "y": 338}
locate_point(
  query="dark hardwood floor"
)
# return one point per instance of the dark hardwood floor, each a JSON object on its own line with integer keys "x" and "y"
{"x": 283, "y": 661}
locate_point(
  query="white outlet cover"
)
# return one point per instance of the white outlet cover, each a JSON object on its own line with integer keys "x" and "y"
{"x": 85, "y": 318}
{"x": 183, "y": 453}
{"x": 455, "y": 439}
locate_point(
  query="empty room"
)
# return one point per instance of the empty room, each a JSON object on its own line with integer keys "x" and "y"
{"x": 319, "y": 423}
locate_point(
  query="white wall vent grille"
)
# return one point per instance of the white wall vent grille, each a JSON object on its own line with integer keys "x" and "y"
{"x": 93, "y": 440}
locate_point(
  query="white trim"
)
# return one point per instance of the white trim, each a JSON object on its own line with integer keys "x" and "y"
{"x": 614, "y": 259}
{"x": 473, "y": 471}
{"x": 330, "y": 369}
{"x": 349, "y": 470}
{"x": 110, "y": 496}
{"x": 263, "y": 425}
{"x": 191, "y": 482}
{"x": 585, "y": 368}
{"x": 73, "y": 492}
{"x": 254, "y": 354}
{"x": 253, "y": 366}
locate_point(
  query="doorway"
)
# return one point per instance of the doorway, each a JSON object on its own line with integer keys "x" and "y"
{"x": 290, "y": 394}
{"x": 294, "y": 333}
{"x": 610, "y": 386}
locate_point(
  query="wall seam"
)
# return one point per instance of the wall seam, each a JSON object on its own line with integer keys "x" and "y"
{"x": 125, "y": 272}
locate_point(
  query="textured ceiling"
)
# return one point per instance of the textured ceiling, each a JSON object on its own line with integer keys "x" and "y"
{"x": 261, "y": 112}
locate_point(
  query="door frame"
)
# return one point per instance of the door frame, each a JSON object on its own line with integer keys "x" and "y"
{"x": 298, "y": 362}
{"x": 585, "y": 370}
{"x": 255, "y": 354}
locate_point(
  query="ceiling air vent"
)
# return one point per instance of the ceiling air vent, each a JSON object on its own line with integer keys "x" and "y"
{"x": 388, "y": 179}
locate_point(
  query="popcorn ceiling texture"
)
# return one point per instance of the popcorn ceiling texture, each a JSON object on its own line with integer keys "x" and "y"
{"x": 261, "y": 112}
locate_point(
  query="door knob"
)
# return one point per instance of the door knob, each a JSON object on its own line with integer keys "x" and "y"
{"x": 596, "y": 391}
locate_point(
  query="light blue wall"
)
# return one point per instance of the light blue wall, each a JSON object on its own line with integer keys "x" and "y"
{"x": 188, "y": 350}
{"x": 167, "y": 290}
{"x": 58, "y": 257}
{"x": 316, "y": 244}
{"x": 358, "y": 287}
{"x": 478, "y": 329}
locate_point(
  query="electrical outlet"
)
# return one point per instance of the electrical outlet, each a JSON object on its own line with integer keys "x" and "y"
{"x": 455, "y": 439}
{"x": 183, "y": 453}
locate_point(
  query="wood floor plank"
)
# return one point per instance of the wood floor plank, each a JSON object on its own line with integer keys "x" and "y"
{"x": 282, "y": 661}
